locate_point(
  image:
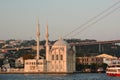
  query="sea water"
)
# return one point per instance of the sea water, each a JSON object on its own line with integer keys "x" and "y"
{"x": 78, "y": 76}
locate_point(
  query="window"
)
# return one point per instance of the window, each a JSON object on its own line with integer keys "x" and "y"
{"x": 52, "y": 57}
{"x": 32, "y": 67}
{"x": 118, "y": 70}
{"x": 61, "y": 57}
{"x": 40, "y": 63}
{"x": 26, "y": 63}
{"x": 92, "y": 59}
{"x": 56, "y": 57}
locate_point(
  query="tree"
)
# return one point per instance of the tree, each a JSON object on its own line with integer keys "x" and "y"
{"x": 28, "y": 56}
{"x": 79, "y": 67}
{"x": 93, "y": 67}
{"x": 104, "y": 65}
{"x": 1, "y": 62}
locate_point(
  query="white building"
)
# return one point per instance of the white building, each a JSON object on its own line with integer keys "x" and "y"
{"x": 59, "y": 59}
{"x": 33, "y": 65}
{"x": 107, "y": 58}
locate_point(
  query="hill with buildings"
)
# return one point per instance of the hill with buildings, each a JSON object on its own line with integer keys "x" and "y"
{"x": 16, "y": 50}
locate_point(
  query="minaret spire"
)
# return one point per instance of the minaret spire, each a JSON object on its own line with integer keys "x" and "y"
{"x": 47, "y": 43}
{"x": 38, "y": 39}
{"x": 47, "y": 34}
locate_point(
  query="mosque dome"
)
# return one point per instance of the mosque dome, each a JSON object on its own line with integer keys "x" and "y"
{"x": 61, "y": 42}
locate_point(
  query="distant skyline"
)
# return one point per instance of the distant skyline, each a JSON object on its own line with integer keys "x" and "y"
{"x": 18, "y": 19}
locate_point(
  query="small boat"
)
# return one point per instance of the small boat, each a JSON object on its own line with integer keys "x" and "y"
{"x": 100, "y": 70}
{"x": 113, "y": 69}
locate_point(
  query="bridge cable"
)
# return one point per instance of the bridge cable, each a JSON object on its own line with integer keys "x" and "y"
{"x": 90, "y": 20}
{"x": 96, "y": 21}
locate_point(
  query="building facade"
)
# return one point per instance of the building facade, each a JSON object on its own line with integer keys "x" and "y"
{"x": 102, "y": 58}
{"x": 32, "y": 65}
{"x": 89, "y": 60}
{"x": 60, "y": 58}
{"x": 107, "y": 58}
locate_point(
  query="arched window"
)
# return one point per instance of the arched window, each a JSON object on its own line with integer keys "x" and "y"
{"x": 61, "y": 57}
{"x": 56, "y": 57}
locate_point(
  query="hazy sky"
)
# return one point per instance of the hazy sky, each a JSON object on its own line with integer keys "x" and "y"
{"x": 18, "y": 19}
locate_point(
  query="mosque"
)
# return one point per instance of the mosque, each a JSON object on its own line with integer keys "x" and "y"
{"x": 60, "y": 58}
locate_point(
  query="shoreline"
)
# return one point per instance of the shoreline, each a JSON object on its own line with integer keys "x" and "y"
{"x": 36, "y": 72}
{"x": 47, "y": 72}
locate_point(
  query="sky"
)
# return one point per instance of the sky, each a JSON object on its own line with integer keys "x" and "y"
{"x": 18, "y": 19}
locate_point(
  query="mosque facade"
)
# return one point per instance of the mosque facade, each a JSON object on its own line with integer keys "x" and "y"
{"x": 60, "y": 58}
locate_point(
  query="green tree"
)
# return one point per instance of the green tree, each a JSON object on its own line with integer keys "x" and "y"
{"x": 93, "y": 67}
{"x": 1, "y": 62}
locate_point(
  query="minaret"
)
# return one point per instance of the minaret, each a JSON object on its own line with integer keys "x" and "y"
{"x": 47, "y": 43}
{"x": 38, "y": 39}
